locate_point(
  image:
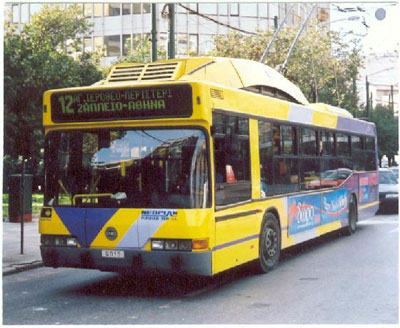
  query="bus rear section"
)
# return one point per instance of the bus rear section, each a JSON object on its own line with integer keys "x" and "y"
{"x": 128, "y": 199}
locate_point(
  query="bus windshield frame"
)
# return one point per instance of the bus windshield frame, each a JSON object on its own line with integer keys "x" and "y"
{"x": 128, "y": 168}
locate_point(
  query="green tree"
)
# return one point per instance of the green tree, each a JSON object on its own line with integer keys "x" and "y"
{"x": 140, "y": 52}
{"x": 322, "y": 64}
{"x": 42, "y": 56}
{"x": 387, "y": 129}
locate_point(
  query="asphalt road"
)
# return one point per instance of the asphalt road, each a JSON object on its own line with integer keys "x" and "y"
{"x": 335, "y": 280}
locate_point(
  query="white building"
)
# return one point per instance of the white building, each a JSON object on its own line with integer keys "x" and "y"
{"x": 382, "y": 72}
{"x": 115, "y": 24}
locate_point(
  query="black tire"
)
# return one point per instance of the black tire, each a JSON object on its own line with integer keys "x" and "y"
{"x": 269, "y": 245}
{"x": 352, "y": 218}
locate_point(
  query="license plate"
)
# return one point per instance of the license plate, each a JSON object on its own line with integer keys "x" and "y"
{"x": 113, "y": 254}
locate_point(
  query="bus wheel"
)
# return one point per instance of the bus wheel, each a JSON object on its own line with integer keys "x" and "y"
{"x": 270, "y": 244}
{"x": 352, "y": 219}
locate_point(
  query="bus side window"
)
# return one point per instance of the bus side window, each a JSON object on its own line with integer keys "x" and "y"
{"x": 266, "y": 144}
{"x": 231, "y": 158}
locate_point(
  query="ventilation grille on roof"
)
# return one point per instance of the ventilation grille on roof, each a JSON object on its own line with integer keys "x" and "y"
{"x": 146, "y": 72}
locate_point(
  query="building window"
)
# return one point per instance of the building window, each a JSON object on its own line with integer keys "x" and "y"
{"x": 263, "y": 10}
{"x": 126, "y": 9}
{"x": 112, "y": 43}
{"x": 15, "y": 14}
{"x": 112, "y": 9}
{"x": 137, "y": 8}
{"x": 248, "y": 9}
{"x": 97, "y": 9}
{"x": 208, "y": 8}
{"x": 127, "y": 45}
{"x": 146, "y": 8}
{"x": 88, "y": 9}
{"x": 87, "y": 44}
{"x": 35, "y": 8}
{"x": 194, "y": 43}
{"x": 234, "y": 9}
{"x": 223, "y": 9}
{"x": 205, "y": 43}
{"x": 182, "y": 44}
{"x": 98, "y": 42}
{"x": 193, "y": 6}
{"x": 24, "y": 13}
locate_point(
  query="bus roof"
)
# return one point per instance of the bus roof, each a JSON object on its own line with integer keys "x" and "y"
{"x": 235, "y": 73}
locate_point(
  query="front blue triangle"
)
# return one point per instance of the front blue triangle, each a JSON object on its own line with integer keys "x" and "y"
{"x": 96, "y": 218}
{"x": 74, "y": 220}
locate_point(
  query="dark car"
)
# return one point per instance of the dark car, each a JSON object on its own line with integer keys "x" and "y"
{"x": 388, "y": 191}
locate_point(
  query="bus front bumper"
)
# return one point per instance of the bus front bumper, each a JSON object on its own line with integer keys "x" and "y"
{"x": 197, "y": 263}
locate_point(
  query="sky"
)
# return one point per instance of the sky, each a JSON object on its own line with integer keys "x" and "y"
{"x": 381, "y": 36}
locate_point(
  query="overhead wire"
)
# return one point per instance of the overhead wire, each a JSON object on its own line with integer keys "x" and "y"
{"x": 216, "y": 21}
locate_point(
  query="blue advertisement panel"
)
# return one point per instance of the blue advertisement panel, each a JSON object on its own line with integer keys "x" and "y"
{"x": 334, "y": 206}
{"x": 304, "y": 213}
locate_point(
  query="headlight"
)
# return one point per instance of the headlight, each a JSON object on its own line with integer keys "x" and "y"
{"x": 51, "y": 240}
{"x": 157, "y": 244}
{"x": 185, "y": 245}
{"x": 72, "y": 241}
{"x": 59, "y": 241}
{"x": 171, "y": 245}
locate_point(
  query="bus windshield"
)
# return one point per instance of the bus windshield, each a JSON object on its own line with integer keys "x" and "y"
{"x": 164, "y": 168}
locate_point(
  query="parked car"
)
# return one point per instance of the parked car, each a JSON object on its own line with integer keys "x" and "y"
{"x": 330, "y": 178}
{"x": 395, "y": 170}
{"x": 388, "y": 191}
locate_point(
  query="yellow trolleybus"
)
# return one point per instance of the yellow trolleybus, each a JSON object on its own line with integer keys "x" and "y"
{"x": 197, "y": 165}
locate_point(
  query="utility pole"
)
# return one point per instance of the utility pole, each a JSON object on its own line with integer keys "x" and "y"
{"x": 171, "y": 44}
{"x": 392, "y": 99}
{"x": 367, "y": 91}
{"x": 22, "y": 202}
{"x": 153, "y": 32}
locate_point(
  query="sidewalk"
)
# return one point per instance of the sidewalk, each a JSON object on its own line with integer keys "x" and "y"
{"x": 13, "y": 260}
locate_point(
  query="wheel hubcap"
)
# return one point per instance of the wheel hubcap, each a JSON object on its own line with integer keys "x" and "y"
{"x": 271, "y": 242}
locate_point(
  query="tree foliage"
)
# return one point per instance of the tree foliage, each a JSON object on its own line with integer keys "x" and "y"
{"x": 387, "y": 128}
{"x": 140, "y": 52}
{"x": 322, "y": 64}
{"x": 41, "y": 56}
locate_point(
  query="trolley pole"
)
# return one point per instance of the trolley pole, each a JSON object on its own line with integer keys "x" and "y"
{"x": 153, "y": 32}
{"x": 171, "y": 44}
{"x": 277, "y": 30}
{"x": 283, "y": 68}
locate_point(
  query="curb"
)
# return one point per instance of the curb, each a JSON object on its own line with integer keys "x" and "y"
{"x": 22, "y": 268}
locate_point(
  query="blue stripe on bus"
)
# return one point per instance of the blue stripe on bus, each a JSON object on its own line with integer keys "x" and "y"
{"x": 234, "y": 242}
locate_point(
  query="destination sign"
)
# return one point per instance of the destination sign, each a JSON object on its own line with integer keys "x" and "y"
{"x": 124, "y": 103}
